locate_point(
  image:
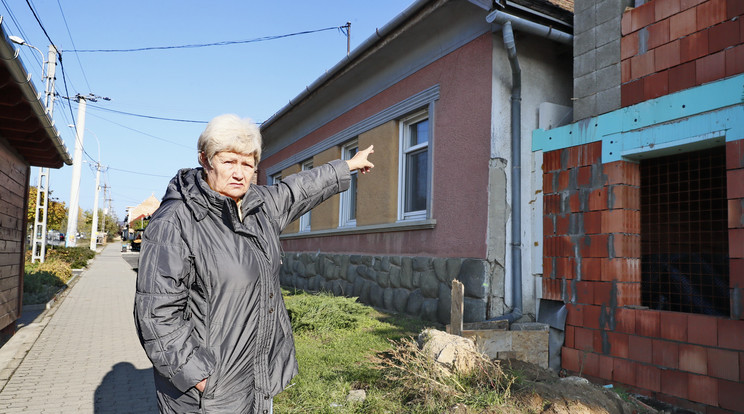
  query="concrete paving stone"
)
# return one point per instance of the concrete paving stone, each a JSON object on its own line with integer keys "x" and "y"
{"x": 86, "y": 358}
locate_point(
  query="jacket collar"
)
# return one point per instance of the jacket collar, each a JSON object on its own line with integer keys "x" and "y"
{"x": 189, "y": 185}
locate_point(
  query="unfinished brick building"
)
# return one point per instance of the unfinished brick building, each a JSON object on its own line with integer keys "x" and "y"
{"x": 643, "y": 198}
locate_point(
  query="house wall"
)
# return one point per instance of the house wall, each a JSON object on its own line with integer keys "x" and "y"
{"x": 546, "y": 77}
{"x": 14, "y": 175}
{"x": 408, "y": 267}
{"x": 461, "y": 124}
{"x": 592, "y": 222}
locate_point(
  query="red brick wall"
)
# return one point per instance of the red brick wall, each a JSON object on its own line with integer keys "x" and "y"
{"x": 592, "y": 262}
{"x": 13, "y": 197}
{"x": 689, "y": 42}
{"x": 735, "y": 191}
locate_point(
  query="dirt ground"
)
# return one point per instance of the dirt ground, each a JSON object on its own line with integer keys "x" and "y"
{"x": 543, "y": 391}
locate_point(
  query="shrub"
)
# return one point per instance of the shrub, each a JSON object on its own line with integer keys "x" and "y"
{"x": 42, "y": 280}
{"x": 77, "y": 257}
{"x": 324, "y": 312}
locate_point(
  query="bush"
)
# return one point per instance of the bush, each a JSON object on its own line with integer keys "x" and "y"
{"x": 42, "y": 280}
{"x": 324, "y": 312}
{"x": 77, "y": 257}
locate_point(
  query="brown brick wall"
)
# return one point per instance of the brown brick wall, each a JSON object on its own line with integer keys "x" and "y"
{"x": 671, "y": 45}
{"x": 592, "y": 262}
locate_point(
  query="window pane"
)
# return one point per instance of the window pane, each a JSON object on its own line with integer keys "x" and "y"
{"x": 419, "y": 133}
{"x": 416, "y": 179}
{"x": 353, "y": 197}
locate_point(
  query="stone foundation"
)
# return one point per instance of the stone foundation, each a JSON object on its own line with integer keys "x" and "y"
{"x": 417, "y": 286}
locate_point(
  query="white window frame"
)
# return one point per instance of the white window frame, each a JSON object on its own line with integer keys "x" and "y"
{"x": 275, "y": 179}
{"x": 305, "y": 218}
{"x": 405, "y": 150}
{"x": 344, "y": 206}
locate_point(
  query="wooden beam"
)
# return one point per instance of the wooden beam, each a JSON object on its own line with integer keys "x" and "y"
{"x": 457, "y": 307}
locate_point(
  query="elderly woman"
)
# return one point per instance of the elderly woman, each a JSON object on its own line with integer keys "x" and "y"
{"x": 208, "y": 307}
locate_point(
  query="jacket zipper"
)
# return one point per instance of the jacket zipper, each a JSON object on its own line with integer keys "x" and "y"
{"x": 207, "y": 335}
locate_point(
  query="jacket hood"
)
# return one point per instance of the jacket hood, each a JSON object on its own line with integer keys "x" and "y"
{"x": 190, "y": 187}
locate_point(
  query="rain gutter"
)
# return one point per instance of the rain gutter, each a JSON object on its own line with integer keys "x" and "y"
{"x": 507, "y": 21}
{"x": 21, "y": 77}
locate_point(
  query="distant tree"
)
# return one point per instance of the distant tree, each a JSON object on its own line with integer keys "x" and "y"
{"x": 56, "y": 211}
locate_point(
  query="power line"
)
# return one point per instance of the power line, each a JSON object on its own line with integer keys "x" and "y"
{"x": 192, "y": 46}
{"x": 191, "y": 147}
{"x": 139, "y": 173}
{"x": 148, "y": 116}
{"x": 69, "y": 34}
{"x": 39, "y": 21}
{"x": 64, "y": 76}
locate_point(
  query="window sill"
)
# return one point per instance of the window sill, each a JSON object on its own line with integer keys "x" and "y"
{"x": 375, "y": 228}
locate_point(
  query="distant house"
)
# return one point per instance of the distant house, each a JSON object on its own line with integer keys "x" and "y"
{"x": 643, "y": 193}
{"x": 27, "y": 137}
{"x": 432, "y": 90}
{"x": 140, "y": 211}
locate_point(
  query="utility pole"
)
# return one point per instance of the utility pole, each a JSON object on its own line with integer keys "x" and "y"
{"x": 94, "y": 227}
{"x": 38, "y": 251}
{"x": 348, "y": 38}
{"x": 77, "y": 161}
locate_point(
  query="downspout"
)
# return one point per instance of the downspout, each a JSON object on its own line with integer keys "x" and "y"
{"x": 516, "y": 141}
{"x": 516, "y": 172}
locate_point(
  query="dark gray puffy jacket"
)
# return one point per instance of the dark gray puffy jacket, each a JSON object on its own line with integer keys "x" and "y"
{"x": 208, "y": 301}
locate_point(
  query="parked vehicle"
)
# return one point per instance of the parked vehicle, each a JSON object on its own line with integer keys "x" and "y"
{"x": 55, "y": 238}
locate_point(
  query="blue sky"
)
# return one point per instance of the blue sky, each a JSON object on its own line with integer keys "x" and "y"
{"x": 252, "y": 80}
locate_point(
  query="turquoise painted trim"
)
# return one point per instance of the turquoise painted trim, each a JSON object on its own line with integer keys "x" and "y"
{"x": 702, "y": 113}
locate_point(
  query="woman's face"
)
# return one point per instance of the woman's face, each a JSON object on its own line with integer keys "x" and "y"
{"x": 230, "y": 173}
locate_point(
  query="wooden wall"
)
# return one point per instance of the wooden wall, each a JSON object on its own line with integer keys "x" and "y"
{"x": 14, "y": 174}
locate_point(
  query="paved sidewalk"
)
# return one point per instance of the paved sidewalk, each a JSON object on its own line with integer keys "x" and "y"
{"x": 87, "y": 358}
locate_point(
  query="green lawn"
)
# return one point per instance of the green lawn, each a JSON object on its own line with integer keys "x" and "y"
{"x": 343, "y": 345}
{"x": 336, "y": 340}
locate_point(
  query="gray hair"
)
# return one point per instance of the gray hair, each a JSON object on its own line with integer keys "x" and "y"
{"x": 229, "y": 133}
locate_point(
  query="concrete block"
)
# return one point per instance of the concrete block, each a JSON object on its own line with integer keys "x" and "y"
{"x": 608, "y": 31}
{"x": 608, "y": 100}
{"x": 607, "y": 77}
{"x": 490, "y": 342}
{"x": 585, "y": 85}
{"x": 585, "y": 20}
{"x": 584, "y": 64}
{"x": 581, "y": 5}
{"x": 608, "y": 54}
{"x": 609, "y": 9}
{"x": 531, "y": 346}
{"x": 585, "y": 107}
{"x": 585, "y": 41}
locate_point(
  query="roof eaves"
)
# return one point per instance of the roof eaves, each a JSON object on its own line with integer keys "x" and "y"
{"x": 360, "y": 50}
{"x": 21, "y": 82}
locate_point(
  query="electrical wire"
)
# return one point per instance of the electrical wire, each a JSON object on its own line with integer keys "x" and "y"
{"x": 147, "y": 116}
{"x": 39, "y": 21}
{"x": 191, "y": 147}
{"x": 21, "y": 32}
{"x": 139, "y": 173}
{"x": 69, "y": 34}
{"x": 192, "y": 46}
{"x": 64, "y": 77}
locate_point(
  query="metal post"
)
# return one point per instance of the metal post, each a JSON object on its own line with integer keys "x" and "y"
{"x": 39, "y": 243}
{"x": 94, "y": 227}
{"x": 38, "y": 248}
{"x": 77, "y": 160}
{"x": 348, "y": 38}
